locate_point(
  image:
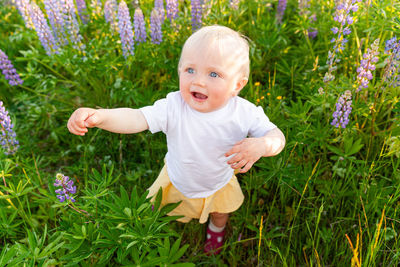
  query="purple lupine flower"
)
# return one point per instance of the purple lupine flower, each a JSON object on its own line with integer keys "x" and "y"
{"x": 110, "y": 14}
{"x": 155, "y": 27}
{"x": 8, "y": 70}
{"x": 56, "y": 19}
{"x": 172, "y": 9}
{"x": 7, "y": 135}
{"x": 159, "y": 4}
{"x": 234, "y": 4}
{"x": 343, "y": 110}
{"x": 280, "y": 11}
{"x": 43, "y": 31}
{"x": 139, "y": 25}
{"x": 366, "y": 65}
{"x": 67, "y": 188}
{"x": 125, "y": 29}
{"x": 71, "y": 25}
{"x": 391, "y": 74}
{"x": 343, "y": 16}
{"x": 312, "y": 32}
{"x": 196, "y": 14}
{"x": 82, "y": 10}
{"x": 24, "y": 8}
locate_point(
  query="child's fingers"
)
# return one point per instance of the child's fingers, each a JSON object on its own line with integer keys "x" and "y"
{"x": 75, "y": 129}
{"x": 239, "y": 164}
{"x": 234, "y": 149}
{"x": 74, "y": 126}
{"x": 91, "y": 120}
{"x": 238, "y": 157}
{"x": 80, "y": 118}
{"x": 246, "y": 167}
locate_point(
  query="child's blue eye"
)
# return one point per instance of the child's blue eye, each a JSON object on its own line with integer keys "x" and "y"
{"x": 214, "y": 74}
{"x": 190, "y": 70}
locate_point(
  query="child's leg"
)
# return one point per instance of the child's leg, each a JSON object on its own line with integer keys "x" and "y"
{"x": 215, "y": 232}
{"x": 219, "y": 219}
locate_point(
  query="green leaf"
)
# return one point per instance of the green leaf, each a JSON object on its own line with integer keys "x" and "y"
{"x": 335, "y": 150}
{"x": 158, "y": 200}
{"x": 353, "y": 148}
{"x": 124, "y": 197}
{"x": 7, "y": 254}
{"x": 132, "y": 244}
{"x": 177, "y": 252}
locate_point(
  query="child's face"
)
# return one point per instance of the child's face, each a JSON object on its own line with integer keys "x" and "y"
{"x": 207, "y": 80}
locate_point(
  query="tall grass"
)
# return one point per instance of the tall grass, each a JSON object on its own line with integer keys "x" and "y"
{"x": 329, "y": 199}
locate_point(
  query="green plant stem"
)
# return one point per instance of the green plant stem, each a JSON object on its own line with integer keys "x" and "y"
{"x": 64, "y": 79}
{"x": 298, "y": 207}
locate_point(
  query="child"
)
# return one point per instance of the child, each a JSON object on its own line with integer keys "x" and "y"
{"x": 210, "y": 130}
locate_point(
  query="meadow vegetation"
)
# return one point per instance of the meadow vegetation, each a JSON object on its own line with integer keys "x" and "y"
{"x": 326, "y": 72}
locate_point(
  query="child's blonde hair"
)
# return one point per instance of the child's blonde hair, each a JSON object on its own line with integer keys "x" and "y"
{"x": 224, "y": 39}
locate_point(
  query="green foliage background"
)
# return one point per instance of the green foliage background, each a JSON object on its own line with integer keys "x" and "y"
{"x": 331, "y": 198}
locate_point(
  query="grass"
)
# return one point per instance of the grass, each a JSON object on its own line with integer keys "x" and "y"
{"x": 329, "y": 199}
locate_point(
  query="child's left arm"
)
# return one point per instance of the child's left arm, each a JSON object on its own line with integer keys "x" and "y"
{"x": 249, "y": 150}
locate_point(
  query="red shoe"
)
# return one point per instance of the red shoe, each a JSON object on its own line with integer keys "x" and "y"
{"x": 214, "y": 242}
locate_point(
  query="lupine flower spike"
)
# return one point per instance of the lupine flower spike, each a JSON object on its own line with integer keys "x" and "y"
{"x": 8, "y": 70}
{"x": 155, "y": 27}
{"x": 343, "y": 17}
{"x": 67, "y": 188}
{"x": 196, "y": 14}
{"x": 110, "y": 14}
{"x": 43, "y": 31}
{"x": 312, "y": 32}
{"x": 172, "y": 9}
{"x": 367, "y": 65}
{"x": 71, "y": 24}
{"x": 280, "y": 11}
{"x": 125, "y": 29}
{"x": 139, "y": 25}
{"x": 343, "y": 110}
{"x": 391, "y": 74}
{"x": 7, "y": 135}
{"x": 56, "y": 19}
{"x": 159, "y": 4}
{"x": 82, "y": 10}
{"x": 24, "y": 8}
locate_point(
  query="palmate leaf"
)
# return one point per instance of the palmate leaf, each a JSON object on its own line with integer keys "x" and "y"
{"x": 173, "y": 253}
{"x": 351, "y": 148}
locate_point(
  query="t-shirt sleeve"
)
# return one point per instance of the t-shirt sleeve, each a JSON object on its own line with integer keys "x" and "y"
{"x": 156, "y": 116}
{"x": 259, "y": 123}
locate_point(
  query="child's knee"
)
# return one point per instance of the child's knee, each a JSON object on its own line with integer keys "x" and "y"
{"x": 218, "y": 215}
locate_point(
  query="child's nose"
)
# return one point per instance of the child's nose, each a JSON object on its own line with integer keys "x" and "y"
{"x": 199, "y": 80}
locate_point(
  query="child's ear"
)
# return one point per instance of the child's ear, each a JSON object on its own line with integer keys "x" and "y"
{"x": 239, "y": 85}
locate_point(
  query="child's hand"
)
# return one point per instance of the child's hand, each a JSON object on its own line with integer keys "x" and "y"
{"x": 82, "y": 119}
{"x": 247, "y": 151}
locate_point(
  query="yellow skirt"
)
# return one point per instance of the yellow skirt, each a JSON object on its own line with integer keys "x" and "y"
{"x": 226, "y": 200}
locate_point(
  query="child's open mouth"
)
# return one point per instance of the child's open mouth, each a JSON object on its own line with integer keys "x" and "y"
{"x": 199, "y": 96}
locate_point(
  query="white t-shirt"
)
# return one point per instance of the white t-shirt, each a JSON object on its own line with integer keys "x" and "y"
{"x": 197, "y": 141}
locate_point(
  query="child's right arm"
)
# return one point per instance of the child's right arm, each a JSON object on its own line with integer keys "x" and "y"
{"x": 119, "y": 120}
